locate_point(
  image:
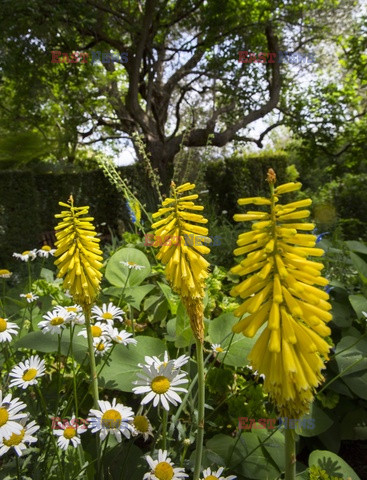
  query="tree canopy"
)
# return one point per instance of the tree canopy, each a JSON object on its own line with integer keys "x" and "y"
{"x": 182, "y": 84}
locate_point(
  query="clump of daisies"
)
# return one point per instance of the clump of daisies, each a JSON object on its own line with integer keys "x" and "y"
{"x": 7, "y": 329}
{"x": 160, "y": 381}
{"x": 208, "y": 474}
{"x": 163, "y": 468}
{"x": 27, "y": 372}
{"x": 14, "y": 431}
{"x": 69, "y": 433}
{"x": 113, "y": 418}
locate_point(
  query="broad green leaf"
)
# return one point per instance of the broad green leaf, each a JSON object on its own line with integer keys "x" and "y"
{"x": 172, "y": 299}
{"x": 179, "y": 329}
{"x": 273, "y": 443}
{"x": 47, "y": 343}
{"x": 314, "y": 423}
{"x": 123, "y": 367}
{"x": 359, "y": 304}
{"x": 351, "y": 355}
{"x": 360, "y": 265}
{"x": 342, "y": 314}
{"x": 121, "y": 275}
{"x": 220, "y": 331}
{"x": 133, "y": 296}
{"x": 354, "y": 425}
{"x": 357, "y": 246}
{"x": 332, "y": 464}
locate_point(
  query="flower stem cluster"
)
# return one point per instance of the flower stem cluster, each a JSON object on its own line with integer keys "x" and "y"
{"x": 79, "y": 254}
{"x": 186, "y": 269}
{"x": 281, "y": 291}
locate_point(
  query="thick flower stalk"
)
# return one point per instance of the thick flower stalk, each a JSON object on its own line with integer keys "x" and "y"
{"x": 79, "y": 254}
{"x": 282, "y": 291}
{"x": 182, "y": 246}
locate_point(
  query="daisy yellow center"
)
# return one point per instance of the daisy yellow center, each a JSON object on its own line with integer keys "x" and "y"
{"x": 100, "y": 346}
{"x": 119, "y": 339}
{"x": 69, "y": 432}
{"x": 3, "y": 324}
{"x": 111, "y": 419}
{"x": 29, "y": 374}
{"x": 28, "y": 295}
{"x": 26, "y": 252}
{"x": 3, "y": 271}
{"x": 96, "y": 331}
{"x": 72, "y": 309}
{"x": 211, "y": 477}
{"x": 46, "y": 248}
{"x": 4, "y": 416}
{"x": 107, "y": 316}
{"x": 57, "y": 321}
{"x": 164, "y": 471}
{"x": 132, "y": 264}
{"x": 141, "y": 423}
{"x": 15, "y": 439}
{"x": 218, "y": 349}
{"x": 160, "y": 384}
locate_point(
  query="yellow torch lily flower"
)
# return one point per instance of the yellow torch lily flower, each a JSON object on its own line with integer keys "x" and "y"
{"x": 80, "y": 257}
{"x": 182, "y": 245}
{"x": 281, "y": 291}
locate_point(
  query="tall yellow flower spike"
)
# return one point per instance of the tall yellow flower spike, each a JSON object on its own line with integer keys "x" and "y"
{"x": 79, "y": 252}
{"x": 182, "y": 249}
{"x": 280, "y": 291}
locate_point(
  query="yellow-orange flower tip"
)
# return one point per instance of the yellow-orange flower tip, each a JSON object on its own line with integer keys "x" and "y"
{"x": 79, "y": 256}
{"x": 280, "y": 291}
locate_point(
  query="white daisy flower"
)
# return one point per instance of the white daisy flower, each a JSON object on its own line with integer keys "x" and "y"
{"x": 208, "y": 474}
{"x": 68, "y": 432}
{"x": 18, "y": 440}
{"x": 160, "y": 385}
{"x": 101, "y": 346}
{"x": 163, "y": 468}
{"x": 26, "y": 373}
{"x": 121, "y": 337}
{"x": 54, "y": 321}
{"x": 4, "y": 273}
{"x": 177, "y": 362}
{"x": 27, "y": 255}
{"x": 10, "y": 416}
{"x": 74, "y": 312}
{"x": 7, "y": 329}
{"x": 99, "y": 330}
{"x": 30, "y": 297}
{"x": 108, "y": 313}
{"x": 143, "y": 426}
{"x": 217, "y": 348}
{"x": 133, "y": 265}
{"x": 111, "y": 418}
{"x": 46, "y": 251}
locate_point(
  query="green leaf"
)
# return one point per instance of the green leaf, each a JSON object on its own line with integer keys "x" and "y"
{"x": 354, "y": 425}
{"x": 220, "y": 331}
{"x": 120, "y": 275}
{"x": 357, "y": 246}
{"x": 360, "y": 265}
{"x": 332, "y": 464}
{"x": 47, "y": 343}
{"x": 351, "y": 355}
{"x": 179, "y": 329}
{"x": 133, "y": 296}
{"x": 123, "y": 367}
{"x": 314, "y": 423}
{"x": 342, "y": 314}
{"x": 359, "y": 304}
{"x": 172, "y": 299}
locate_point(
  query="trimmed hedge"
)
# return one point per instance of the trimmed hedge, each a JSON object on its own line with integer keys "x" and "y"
{"x": 242, "y": 176}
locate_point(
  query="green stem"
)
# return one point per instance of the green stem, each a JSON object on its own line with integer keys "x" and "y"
{"x": 92, "y": 359}
{"x": 201, "y": 409}
{"x": 290, "y": 454}
{"x": 74, "y": 373}
{"x": 164, "y": 429}
{"x": 18, "y": 468}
